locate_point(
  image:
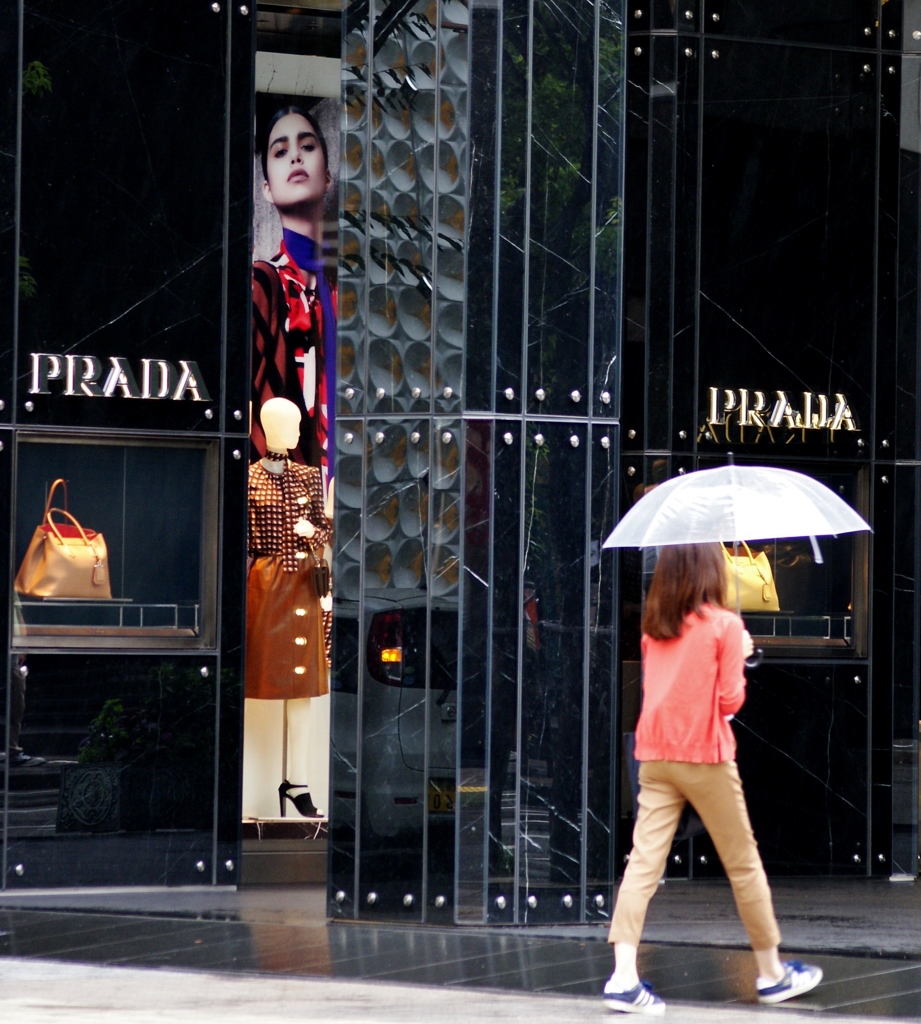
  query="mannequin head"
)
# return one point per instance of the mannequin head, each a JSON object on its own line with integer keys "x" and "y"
{"x": 281, "y": 422}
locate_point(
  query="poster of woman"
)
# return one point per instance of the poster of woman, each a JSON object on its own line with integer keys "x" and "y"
{"x": 294, "y": 268}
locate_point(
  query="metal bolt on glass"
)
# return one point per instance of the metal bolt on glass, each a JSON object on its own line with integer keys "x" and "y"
{"x": 866, "y": 69}
{"x": 339, "y": 897}
{"x": 408, "y": 900}
{"x": 349, "y": 393}
{"x": 349, "y": 437}
{"x": 574, "y": 440}
{"x": 244, "y": 10}
{"x": 677, "y": 858}
{"x": 229, "y": 865}
{"x": 892, "y": 33}
{"x": 916, "y": 34}
{"x": 448, "y": 392}
{"x": 440, "y": 901}
{"x": 631, "y": 434}
{"x": 200, "y": 866}
{"x": 416, "y": 392}
{"x": 858, "y": 680}
{"x": 539, "y": 440}
{"x": 599, "y": 899}
{"x": 715, "y": 16}
{"x": 688, "y": 52}
{"x": 638, "y": 13}
{"x": 689, "y": 15}
{"x": 605, "y": 397}
{"x": 884, "y": 479}
{"x": 507, "y": 438}
{"x": 532, "y": 901}
{"x": 567, "y": 901}
{"x": 20, "y": 870}
{"x": 856, "y": 858}
{"x": 715, "y": 54}
{"x": 540, "y": 394}
{"x": 205, "y": 671}
{"x": 631, "y": 470}
{"x": 371, "y": 898}
{"x": 891, "y": 69}
{"x": 860, "y": 442}
{"x": 415, "y": 437}
{"x": 605, "y": 442}
{"x": 509, "y": 393}
{"x": 29, "y": 406}
{"x": 447, "y": 437}
{"x": 379, "y": 437}
{"x": 501, "y": 902}
{"x": 216, "y": 7}
{"x": 881, "y": 857}
{"x": 868, "y": 31}
{"x": 380, "y": 393}
{"x": 683, "y": 434}
{"x": 209, "y": 414}
{"x": 237, "y": 414}
{"x": 703, "y": 858}
{"x": 681, "y": 472}
{"x": 884, "y": 444}
{"x": 637, "y": 51}
{"x": 237, "y": 454}
{"x": 576, "y": 395}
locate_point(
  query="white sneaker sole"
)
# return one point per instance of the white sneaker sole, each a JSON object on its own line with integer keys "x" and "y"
{"x": 647, "y": 1009}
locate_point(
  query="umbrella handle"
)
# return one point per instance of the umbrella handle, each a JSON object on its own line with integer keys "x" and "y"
{"x": 755, "y": 660}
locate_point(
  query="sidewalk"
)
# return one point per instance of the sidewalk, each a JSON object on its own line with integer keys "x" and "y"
{"x": 48, "y": 992}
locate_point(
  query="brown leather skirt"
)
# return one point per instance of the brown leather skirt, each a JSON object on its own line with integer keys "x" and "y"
{"x": 285, "y": 655}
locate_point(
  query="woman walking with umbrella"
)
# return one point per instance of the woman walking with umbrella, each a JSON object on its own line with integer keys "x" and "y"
{"x": 693, "y": 683}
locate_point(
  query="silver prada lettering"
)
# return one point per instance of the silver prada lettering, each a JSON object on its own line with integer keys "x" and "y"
{"x": 90, "y": 377}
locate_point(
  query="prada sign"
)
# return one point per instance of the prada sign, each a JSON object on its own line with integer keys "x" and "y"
{"x": 770, "y": 411}
{"x": 89, "y": 377}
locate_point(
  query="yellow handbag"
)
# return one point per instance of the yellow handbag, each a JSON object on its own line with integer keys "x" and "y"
{"x": 64, "y": 559}
{"x": 750, "y": 581}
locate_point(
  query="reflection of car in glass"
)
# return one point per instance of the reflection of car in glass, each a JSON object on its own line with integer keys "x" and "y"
{"x": 396, "y": 703}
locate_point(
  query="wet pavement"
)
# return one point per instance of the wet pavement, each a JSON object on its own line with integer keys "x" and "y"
{"x": 865, "y": 934}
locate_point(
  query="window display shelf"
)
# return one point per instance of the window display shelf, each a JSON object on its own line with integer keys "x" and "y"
{"x": 788, "y": 629}
{"x": 116, "y": 617}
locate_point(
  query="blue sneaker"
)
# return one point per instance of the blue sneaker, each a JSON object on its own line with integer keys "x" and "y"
{"x": 798, "y": 979}
{"x": 640, "y": 999}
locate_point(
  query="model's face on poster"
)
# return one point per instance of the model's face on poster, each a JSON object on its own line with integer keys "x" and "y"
{"x": 295, "y": 166}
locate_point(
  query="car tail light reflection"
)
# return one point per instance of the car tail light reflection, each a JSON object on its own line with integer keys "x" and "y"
{"x": 385, "y": 648}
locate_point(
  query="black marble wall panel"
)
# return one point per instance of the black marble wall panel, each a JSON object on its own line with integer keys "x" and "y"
{"x": 10, "y": 93}
{"x": 788, "y": 213}
{"x": 125, "y": 793}
{"x": 134, "y": 209}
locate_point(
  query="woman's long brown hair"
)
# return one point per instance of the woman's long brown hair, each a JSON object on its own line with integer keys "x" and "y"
{"x": 687, "y": 577}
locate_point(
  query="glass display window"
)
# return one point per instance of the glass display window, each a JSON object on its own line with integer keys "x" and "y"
{"x": 803, "y": 596}
{"x": 115, "y": 543}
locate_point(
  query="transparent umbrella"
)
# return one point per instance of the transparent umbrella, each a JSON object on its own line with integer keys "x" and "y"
{"x": 734, "y": 503}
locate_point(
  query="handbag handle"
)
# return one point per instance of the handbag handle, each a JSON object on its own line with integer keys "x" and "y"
{"x": 751, "y": 560}
{"x": 49, "y": 504}
{"x": 57, "y": 533}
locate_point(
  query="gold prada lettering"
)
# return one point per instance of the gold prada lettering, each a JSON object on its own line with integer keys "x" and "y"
{"x": 769, "y": 412}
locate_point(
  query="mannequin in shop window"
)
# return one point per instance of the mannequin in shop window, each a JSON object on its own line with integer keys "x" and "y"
{"x": 286, "y": 653}
{"x": 294, "y": 294}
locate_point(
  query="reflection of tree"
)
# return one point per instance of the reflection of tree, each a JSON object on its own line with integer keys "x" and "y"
{"x": 36, "y": 80}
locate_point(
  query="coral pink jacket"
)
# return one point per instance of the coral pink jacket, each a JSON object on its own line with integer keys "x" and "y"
{"x": 690, "y": 685}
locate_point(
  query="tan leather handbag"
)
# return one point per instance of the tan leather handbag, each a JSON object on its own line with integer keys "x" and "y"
{"x": 750, "y": 581}
{"x": 64, "y": 559}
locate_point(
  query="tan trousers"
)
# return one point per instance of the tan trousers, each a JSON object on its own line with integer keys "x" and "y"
{"x": 715, "y": 792}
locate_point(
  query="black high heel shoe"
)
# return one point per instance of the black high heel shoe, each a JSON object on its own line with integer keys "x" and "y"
{"x": 302, "y": 802}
